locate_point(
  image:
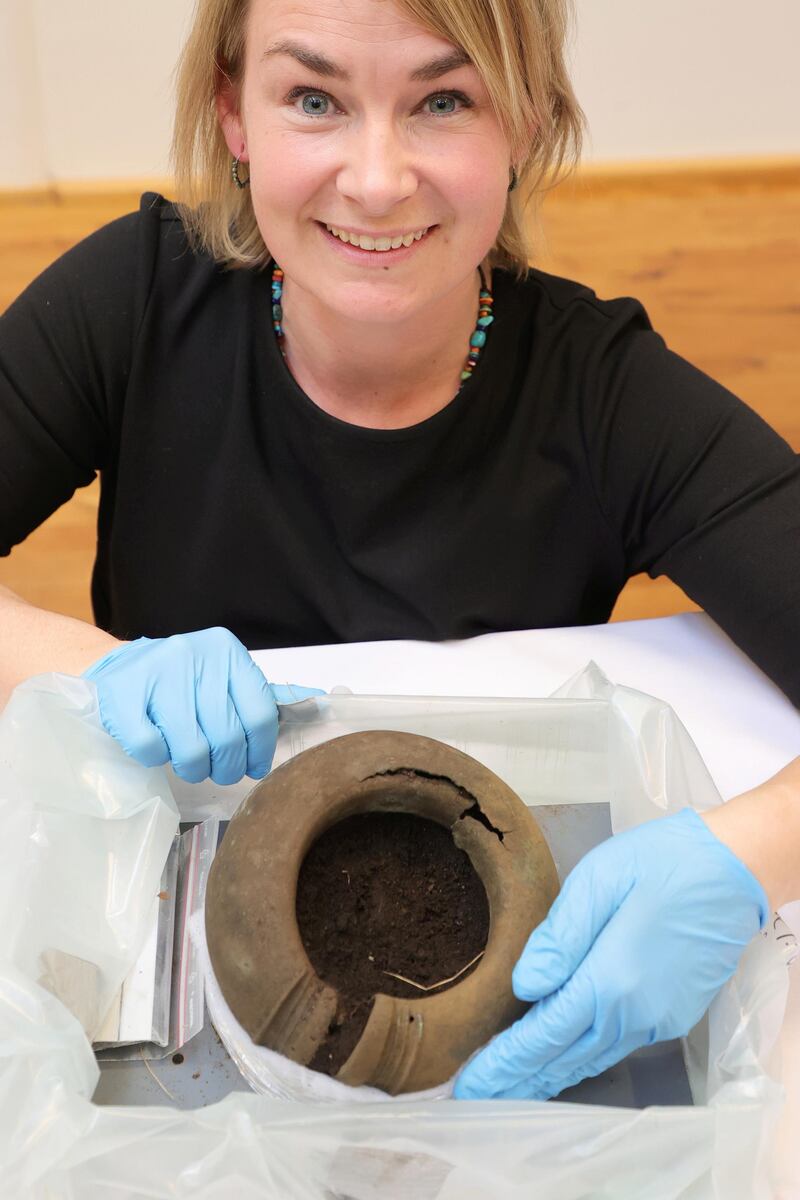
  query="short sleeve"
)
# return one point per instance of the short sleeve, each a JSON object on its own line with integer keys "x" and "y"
{"x": 65, "y": 355}
{"x": 699, "y": 488}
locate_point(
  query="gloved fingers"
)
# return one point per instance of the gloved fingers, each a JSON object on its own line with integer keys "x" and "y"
{"x": 556, "y": 1079}
{"x": 628, "y": 1008}
{"x": 257, "y": 713}
{"x": 172, "y": 710}
{"x": 576, "y": 1062}
{"x": 526, "y": 1047}
{"x": 590, "y": 896}
{"x": 219, "y": 723}
{"x": 291, "y": 693}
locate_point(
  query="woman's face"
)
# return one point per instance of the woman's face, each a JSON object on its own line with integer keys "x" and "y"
{"x": 354, "y": 141}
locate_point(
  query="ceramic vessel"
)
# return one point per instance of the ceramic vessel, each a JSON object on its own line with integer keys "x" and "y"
{"x": 254, "y": 943}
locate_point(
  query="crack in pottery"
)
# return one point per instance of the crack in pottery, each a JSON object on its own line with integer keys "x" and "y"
{"x": 474, "y": 810}
{"x": 419, "y": 773}
{"x": 476, "y": 813}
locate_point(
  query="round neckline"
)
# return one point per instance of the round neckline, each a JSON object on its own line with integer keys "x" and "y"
{"x": 405, "y": 432}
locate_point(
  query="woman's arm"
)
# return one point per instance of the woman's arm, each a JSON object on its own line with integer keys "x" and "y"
{"x": 762, "y": 828}
{"x": 34, "y": 641}
{"x": 197, "y": 700}
{"x": 697, "y": 487}
{"x": 645, "y": 931}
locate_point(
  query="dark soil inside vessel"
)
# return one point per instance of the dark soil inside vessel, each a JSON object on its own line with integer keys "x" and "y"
{"x": 382, "y": 895}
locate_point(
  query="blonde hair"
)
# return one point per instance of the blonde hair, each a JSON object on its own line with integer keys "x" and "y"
{"x": 518, "y": 48}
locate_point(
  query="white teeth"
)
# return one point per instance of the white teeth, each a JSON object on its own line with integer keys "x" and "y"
{"x": 380, "y": 244}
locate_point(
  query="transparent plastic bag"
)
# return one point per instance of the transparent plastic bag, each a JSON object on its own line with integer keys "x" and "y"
{"x": 85, "y": 835}
{"x": 593, "y": 741}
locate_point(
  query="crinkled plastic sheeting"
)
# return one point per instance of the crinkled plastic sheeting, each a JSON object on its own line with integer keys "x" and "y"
{"x": 85, "y": 832}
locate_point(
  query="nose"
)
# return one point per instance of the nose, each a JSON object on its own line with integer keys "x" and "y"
{"x": 377, "y": 173}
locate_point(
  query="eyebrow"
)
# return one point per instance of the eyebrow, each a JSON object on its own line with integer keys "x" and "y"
{"x": 321, "y": 65}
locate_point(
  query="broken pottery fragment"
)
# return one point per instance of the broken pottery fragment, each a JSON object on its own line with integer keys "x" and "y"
{"x": 258, "y": 956}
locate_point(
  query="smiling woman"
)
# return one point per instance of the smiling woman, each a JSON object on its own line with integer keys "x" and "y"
{"x": 327, "y": 113}
{"x": 513, "y": 51}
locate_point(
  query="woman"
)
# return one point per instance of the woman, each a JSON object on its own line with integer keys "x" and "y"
{"x": 329, "y": 403}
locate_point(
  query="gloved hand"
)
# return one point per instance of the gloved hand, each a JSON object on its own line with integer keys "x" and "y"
{"x": 646, "y": 929}
{"x": 197, "y": 699}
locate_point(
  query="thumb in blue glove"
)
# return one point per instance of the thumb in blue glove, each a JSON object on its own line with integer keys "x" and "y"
{"x": 195, "y": 699}
{"x": 645, "y": 931}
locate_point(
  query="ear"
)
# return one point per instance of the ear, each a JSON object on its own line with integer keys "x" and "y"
{"x": 230, "y": 118}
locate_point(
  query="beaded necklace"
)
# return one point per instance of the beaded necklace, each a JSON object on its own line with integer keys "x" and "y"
{"x": 476, "y": 342}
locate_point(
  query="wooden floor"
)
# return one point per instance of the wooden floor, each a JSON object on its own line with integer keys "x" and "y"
{"x": 713, "y": 254}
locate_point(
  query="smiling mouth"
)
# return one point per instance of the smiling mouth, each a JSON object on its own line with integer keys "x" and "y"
{"x": 355, "y": 241}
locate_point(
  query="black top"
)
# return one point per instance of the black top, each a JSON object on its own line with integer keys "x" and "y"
{"x": 581, "y": 452}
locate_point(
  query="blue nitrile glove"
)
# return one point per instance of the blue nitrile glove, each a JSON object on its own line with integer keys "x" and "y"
{"x": 195, "y": 699}
{"x": 645, "y": 931}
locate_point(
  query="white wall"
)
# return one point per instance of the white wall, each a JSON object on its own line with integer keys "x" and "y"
{"x": 85, "y": 85}
{"x": 22, "y": 156}
{"x": 105, "y": 84}
{"x": 689, "y": 78}
{"x": 86, "y": 88}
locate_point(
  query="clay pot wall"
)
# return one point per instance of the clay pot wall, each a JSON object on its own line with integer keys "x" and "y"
{"x": 253, "y": 937}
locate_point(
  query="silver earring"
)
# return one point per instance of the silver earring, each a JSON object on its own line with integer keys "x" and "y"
{"x": 240, "y": 183}
{"x": 513, "y": 182}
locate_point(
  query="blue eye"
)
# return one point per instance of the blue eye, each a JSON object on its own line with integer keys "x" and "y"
{"x": 315, "y": 96}
{"x": 447, "y": 97}
{"x": 440, "y": 97}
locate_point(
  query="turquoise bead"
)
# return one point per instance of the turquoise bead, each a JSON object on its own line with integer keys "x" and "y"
{"x": 484, "y": 321}
{"x": 277, "y": 312}
{"x": 478, "y": 338}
